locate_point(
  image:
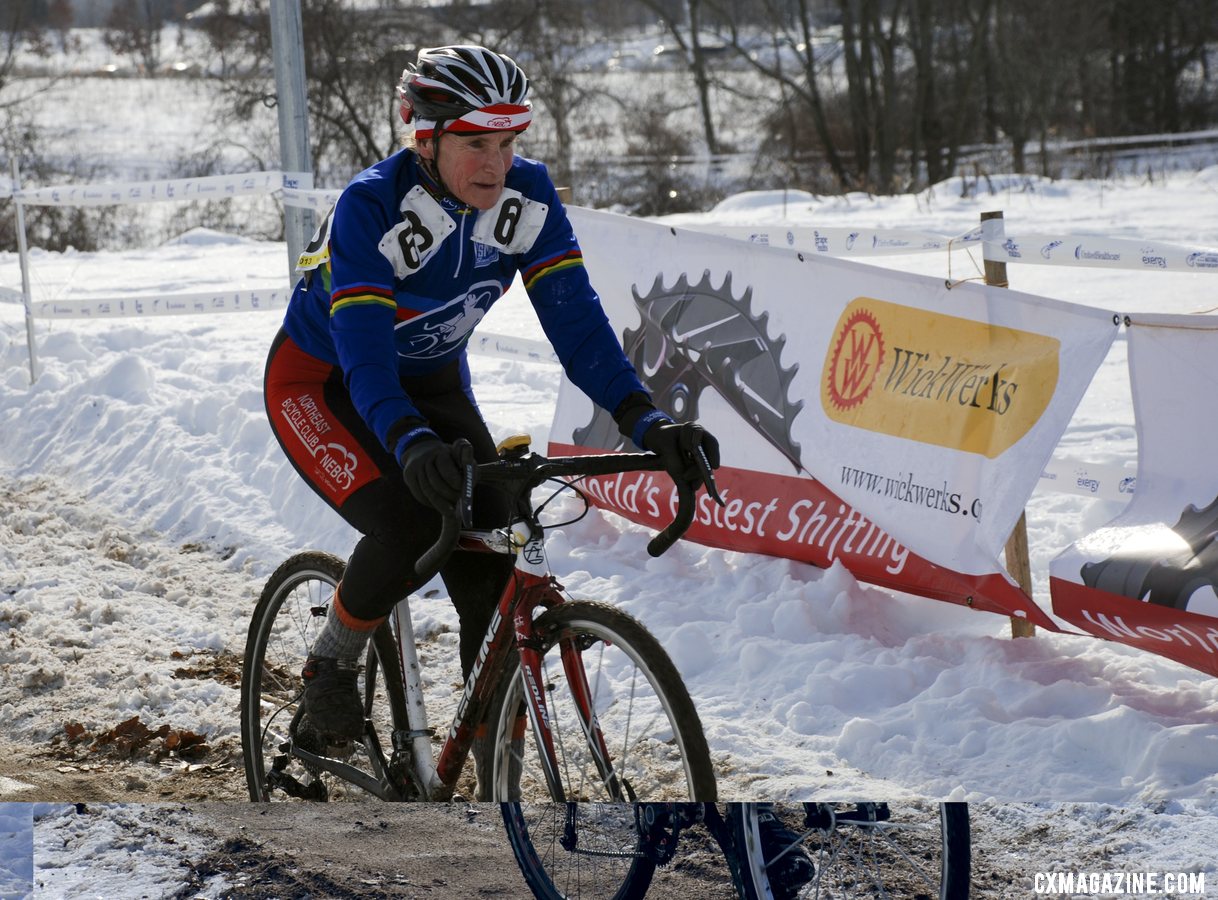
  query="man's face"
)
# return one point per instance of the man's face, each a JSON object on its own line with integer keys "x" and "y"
{"x": 473, "y": 166}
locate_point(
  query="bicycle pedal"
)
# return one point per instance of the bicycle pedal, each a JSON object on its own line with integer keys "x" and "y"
{"x": 312, "y": 741}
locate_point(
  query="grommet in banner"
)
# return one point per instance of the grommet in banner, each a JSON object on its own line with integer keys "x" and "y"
{"x": 968, "y": 601}
{"x": 1128, "y": 321}
{"x": 801, "y": 256}
{"x": 672, "y": 231}
{"x": 1116, "y": 319}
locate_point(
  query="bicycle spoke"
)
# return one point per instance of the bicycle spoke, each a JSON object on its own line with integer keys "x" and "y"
{"x": 621, "y": 723}
{"x": 868, "y": 851}
{"x": 289, "y": 615}
{"x": 579, "y": 850}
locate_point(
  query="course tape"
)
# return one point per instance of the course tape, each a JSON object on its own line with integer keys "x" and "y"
{"x": 310, "y": 199}
{"x": 842, "y": 241}
{"x": 505, "y": 347}
{"x": 209, "y": 187}
{"x": 1112, "y": 253}
{"x": 171, "y": 305}
{"x": 1103, "y": 481}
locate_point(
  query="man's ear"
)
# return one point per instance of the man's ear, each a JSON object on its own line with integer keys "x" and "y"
{"x": 426, "y": 149}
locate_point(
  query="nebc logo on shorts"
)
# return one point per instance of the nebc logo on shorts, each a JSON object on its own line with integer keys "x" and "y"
{"x": 335, "y": 467}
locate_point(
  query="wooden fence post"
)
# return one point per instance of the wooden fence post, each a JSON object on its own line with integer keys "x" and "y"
{"x": 1016, "y": 552}
{"x": 23, "y": 254}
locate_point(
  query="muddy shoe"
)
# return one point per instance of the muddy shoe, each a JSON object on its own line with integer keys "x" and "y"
{"x": 787, "y": 862}
{"x": 333, "y": 709}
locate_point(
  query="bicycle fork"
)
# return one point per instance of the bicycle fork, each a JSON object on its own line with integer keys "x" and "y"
{"x": 536, "y": 587}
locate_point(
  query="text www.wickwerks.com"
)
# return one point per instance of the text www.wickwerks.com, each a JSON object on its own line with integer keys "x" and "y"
{"x": 904, "y": 489}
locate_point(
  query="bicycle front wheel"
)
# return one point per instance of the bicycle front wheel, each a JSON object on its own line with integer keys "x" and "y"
{"x": 642, "y": 741}
{"x": 286, "y": 622}
{"x": 572, "y": 850}
{"x": 859, "y": 850}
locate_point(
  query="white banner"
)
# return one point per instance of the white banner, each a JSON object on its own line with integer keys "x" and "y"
{"x": 1147, "y": 577}
{"x": 931, "y": 411}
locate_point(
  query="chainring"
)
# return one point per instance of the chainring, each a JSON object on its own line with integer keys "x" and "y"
{"x": 694, "y": 337}
{"x": 1164, "y": 581}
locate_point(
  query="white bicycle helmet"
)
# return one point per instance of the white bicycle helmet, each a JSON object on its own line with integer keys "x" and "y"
{"x": 464, "y": 89}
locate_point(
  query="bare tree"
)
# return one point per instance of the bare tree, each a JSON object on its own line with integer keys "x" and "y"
{"x": 133, "y": 29}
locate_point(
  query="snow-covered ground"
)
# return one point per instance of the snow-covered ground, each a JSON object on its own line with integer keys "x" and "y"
{"x": 143, "y": 502}
{"x": 143, "y": 447}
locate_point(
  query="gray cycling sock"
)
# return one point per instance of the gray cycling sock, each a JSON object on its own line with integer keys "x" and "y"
{"x": 339, "y": 640}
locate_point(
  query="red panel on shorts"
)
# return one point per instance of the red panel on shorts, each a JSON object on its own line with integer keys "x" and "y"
{"x": 326, "y": 453}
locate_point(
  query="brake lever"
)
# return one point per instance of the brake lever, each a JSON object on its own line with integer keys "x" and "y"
{"x": 465, "y": 503}
{"x": 461, "y": 515}
{"x": 707, "y": 476}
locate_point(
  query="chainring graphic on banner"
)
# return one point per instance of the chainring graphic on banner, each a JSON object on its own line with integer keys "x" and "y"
{"x": 696, "y": 337}
{"x": 1165, "y": 581}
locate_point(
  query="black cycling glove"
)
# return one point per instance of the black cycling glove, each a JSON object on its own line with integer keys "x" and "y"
{"x": 433, "y": 473}
{"x": 689, "y": 452}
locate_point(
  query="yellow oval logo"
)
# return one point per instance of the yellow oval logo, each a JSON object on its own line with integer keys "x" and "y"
{"x": 937, "y": 379}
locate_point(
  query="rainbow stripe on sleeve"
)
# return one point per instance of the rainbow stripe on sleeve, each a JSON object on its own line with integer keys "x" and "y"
{"x": 563, "y": 261}
{"x": 361, "y": 295}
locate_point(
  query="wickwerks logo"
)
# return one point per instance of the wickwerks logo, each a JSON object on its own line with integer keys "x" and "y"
{"x": 937, "y": 379}
{"x": 856, "y": 360}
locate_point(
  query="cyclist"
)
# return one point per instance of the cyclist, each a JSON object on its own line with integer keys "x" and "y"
{"x": 367, "y": 385}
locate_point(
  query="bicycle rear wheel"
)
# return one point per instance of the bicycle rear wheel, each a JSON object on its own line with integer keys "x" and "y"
{"x": 656, "y": 747}
{"x": 286, "y": 622}
{"x": 861, "y": 850}
{"x": 572, "y": 850}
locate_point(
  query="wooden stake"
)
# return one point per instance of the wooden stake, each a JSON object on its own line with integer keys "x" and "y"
{"x": 1016, "y": 552}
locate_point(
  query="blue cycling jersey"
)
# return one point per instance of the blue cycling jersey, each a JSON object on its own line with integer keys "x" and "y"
{"x": 399, "y": 274}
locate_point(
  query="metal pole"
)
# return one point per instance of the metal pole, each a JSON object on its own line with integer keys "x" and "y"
{"x": 1016, "y": 551}
{"x": 23, "y": 253}
{"x": 287, "y": 47}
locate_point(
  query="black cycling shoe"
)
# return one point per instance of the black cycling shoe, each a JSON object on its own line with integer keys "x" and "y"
{"x": 788, "y": 869}
{"x": 333, "y": 708}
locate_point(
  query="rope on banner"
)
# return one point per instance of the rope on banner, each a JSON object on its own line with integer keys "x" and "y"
{"x": 950, "y": 283}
